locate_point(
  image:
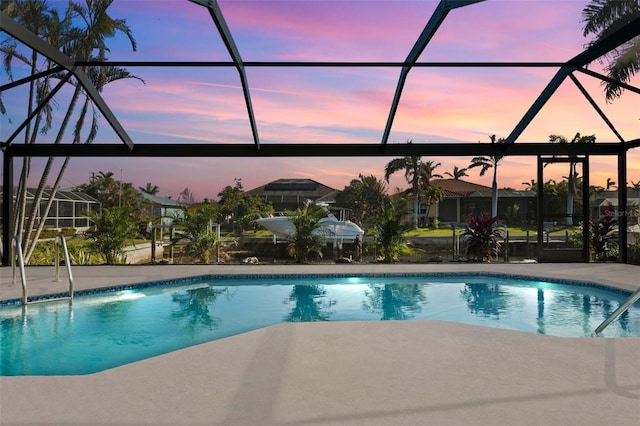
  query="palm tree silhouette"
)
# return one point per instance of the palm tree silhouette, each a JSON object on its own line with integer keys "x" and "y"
{"x": 601, "y": 18}
{"x": 572, "y": 181}
{"x": 486, "y": 163}
{"x": 417, "y": 172}
{"x": 457, "y": 172}
{"x": 149, "y": 189}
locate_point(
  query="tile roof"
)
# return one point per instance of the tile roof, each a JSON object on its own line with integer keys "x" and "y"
{"x": 459, "y": 187}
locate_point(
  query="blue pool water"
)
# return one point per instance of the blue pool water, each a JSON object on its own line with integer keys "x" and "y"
{"x": 103, "y": 330}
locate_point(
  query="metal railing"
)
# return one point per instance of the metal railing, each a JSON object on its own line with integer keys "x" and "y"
{"x": 621, "y": 309}
{"x": 17, "y": 254}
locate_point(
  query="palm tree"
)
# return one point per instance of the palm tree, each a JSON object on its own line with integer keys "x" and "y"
{"x": 98, "y": 78}
{"x": 416, "y": 172}
{"x": 433, "y": 194}
{"x": 572, "y": 181}
{"x": 427, "y": 170}
{"x": 194, "y": 227}
{"x": 411, "y": 167}
{"x": 486, "y": 163}
{"x": 149, "y": 189}
{"x": 388, "y": 230}
{"x": 457, "y": 172}
{"x": 35, "y": 16}
{"x": 79, "y": 44}
{"x": 111, "y": 231}
{"x": 610, "y": 183}
{"x": 601, "y": 18}
{"x": 186, "y": 197}
{"x": 531, "y": 185}
{"x": 364, "y": 197}
{"x": 307, "y": 237}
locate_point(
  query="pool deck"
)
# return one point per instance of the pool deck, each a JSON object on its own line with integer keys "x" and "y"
{"x": 344, "y": 373}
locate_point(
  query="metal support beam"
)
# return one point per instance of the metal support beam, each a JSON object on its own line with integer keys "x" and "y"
{"x": 29, "y": 78}
{"x": 313, "y": 150}
{"x": 542, "y": 99}
{"x": 586, "y": 239}
{"x": 438, "y": 16}
{"x": 607, "y": 44}
{"x": 39, "y": 107}
{"x": 539, "y": 208}
{"x": 227, "y": 38}
{"x": 7, "y": 208}
{"x": 594, "y": 52}
{"x": 320, "y": 64}
{"x": 622, "y": 207}
{"x": 27, "y": 37}
{"x": 596, "y": 107}
{"x": 633, "y": 144}
{"x": 609, "y": 80}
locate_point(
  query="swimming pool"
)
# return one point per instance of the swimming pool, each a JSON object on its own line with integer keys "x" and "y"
{"x": 105, "y": 329}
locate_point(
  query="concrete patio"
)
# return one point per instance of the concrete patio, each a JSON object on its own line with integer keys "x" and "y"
{"x": 345, "y": 373}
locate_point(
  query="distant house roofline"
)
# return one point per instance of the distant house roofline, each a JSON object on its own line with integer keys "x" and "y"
{"x": 164, "y": 201}
{"x": 288, "y": 185}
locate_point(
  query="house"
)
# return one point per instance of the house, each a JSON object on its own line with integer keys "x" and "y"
{"x": 290, "y": 194}
{"x": 462, "y": 198}
{"x": 162, "y": 209}
{"x": 606, "y": 203}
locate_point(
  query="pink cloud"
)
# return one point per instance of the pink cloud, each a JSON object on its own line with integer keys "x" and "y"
{"x": 347, "y": 105}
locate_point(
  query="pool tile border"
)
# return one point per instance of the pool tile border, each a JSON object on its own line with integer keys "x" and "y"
{"x": 239, "y": 277}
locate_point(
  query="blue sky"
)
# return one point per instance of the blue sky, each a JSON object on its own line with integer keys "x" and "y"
{"x": 340, "y": 105}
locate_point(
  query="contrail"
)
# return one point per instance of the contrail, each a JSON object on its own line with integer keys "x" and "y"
{"x": 230, "y": 86}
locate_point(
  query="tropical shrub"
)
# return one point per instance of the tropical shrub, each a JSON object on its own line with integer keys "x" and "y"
{"x": 602, "y": 235}
{"x": 634, "y": 253}
{"x": 307, "y": 237}
{"x": 194, "y": 226}
{"x": 482, "y": 237}
{"x": 79, "y": 253}
{"x": 239, "y": 208}
{"x": 364, "y": 197}
{"x": 112, "y": 230}
{"x": 389, "y": 229}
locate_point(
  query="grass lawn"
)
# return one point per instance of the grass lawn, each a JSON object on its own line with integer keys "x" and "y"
{"x": 443, "y": 231}
{"x": 446, "y": 231}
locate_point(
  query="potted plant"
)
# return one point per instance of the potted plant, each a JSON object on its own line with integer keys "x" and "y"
{"x": 483, "y": 237}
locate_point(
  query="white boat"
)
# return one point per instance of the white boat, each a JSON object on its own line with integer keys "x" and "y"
{"x": 330, "y": 227}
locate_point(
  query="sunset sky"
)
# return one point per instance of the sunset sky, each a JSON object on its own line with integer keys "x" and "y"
{"x": 339, "y": 105}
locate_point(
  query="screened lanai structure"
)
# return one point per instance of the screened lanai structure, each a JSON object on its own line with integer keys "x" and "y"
{"x": 69, "y": 209}
{"x": 243, "y": 80}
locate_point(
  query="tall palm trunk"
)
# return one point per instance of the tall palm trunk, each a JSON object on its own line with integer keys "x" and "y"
{"x": 416, "y": 203}
{"x": 494, "y": 192}
{"x": 56, "y": 185}
{"x": 37, "y": 199}
{"x": 32, "y": 246}
{"x": 29, "y": 137}
{"x": 571, "y": 192}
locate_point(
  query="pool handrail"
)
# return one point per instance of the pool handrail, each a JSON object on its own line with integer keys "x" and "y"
{"x": 67, "y": 262}
{"x": 621, "y": 309}
{"x": 16, "y": 246}
{"x": 17, "y": 253}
